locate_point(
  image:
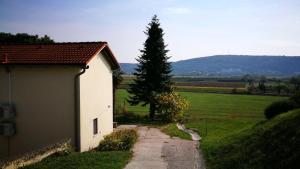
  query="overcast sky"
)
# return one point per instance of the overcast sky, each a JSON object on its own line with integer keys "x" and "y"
{"x": 193, "y": 28}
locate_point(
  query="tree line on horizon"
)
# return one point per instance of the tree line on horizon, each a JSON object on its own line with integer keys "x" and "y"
{"x": 24, "y": 38}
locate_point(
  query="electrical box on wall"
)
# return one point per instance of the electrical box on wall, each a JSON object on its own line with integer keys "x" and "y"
{"x": 6, "y": 111}
{"x": 7, "y": 129}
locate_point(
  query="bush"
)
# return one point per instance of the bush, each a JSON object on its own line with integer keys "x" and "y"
{"x": 121, "y": 140}
{"x": 172, "y": 106}
{"x": 296, "y": 98}
{"x": 279, "y": 107}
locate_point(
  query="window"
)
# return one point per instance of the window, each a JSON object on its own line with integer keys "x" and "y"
{"x": 95, "y": 126}
{"x": 1, "y": 112}
{"x": 1, "y": 129}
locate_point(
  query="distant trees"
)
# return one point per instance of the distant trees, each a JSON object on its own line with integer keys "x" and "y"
{"x": 250, "y": 82}
{"x": 279, "y": 88}
{"x": 153, "y": 70}
{"x": 248, "y": 79}
{"x": 23, "y": 38}
{"x": 295, "y": 82}
{"x": 261, "y": 84}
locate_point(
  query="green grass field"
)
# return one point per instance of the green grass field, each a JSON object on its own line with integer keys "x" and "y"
{"x": 216, "y": 106}
{"x": 215, "y": 116}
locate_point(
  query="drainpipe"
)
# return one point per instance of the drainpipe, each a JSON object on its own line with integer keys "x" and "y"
{"x": 9, "y": 85}
{"x": 8, "y": 70}
{"x": 77, "y": 107}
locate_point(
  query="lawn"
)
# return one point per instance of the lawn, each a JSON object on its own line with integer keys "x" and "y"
{"x": 87, "y": 160}
{"x": 121, "y": 98}
{"x": 215, "y": 116}
{"x": 212, "y": 106}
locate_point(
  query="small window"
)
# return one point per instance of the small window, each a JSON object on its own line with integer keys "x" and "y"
{"x": 1, "y": 129}
{"x": 1, "y": 112}
{"x": 95, "y": 126}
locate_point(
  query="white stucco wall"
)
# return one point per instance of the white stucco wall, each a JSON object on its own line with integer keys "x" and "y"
{"x": 96, "y": 101}
{"x": 44, "y": 101}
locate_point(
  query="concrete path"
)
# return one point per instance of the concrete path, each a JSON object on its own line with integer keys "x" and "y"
{"x": 156, "y": 150}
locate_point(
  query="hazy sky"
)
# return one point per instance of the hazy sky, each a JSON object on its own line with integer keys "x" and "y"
{"x": 193, "y": 28}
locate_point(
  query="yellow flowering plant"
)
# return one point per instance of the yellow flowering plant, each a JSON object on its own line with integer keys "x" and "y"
{"x": 172, "y": 106}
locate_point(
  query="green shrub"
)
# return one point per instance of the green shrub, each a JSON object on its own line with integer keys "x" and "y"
{"x": 279, "y": 107}
{"x": 172, "y": 107}
{"x": 121, "y": 140}
{"x": 296, "y": 98}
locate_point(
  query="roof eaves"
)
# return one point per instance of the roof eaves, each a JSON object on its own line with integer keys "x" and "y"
{"x": 99, "y": 50}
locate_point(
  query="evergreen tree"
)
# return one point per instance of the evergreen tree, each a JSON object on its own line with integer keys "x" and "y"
{"x": 153, "y": 70}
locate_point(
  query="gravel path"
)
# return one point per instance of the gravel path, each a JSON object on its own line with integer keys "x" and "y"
{"x": 156, "y": 150}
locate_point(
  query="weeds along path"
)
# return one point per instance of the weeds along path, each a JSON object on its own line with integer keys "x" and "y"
{"x": 156, "y": 150}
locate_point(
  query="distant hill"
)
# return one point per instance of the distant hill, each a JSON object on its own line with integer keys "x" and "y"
{"x": 233, "y": 65}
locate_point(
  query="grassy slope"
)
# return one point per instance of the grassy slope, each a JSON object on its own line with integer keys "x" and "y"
{"x": 87, "y": 160}
{"x": 273, "y": 144}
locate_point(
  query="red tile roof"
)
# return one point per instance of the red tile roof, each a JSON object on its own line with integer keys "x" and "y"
{"x": 79, "y": 53}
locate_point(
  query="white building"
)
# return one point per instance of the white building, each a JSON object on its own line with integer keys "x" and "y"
{"x": 55, "y": 92}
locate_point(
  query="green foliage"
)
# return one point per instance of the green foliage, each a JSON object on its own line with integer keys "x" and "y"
{"x": 86, "y": 160}
{"x": 23, "y": 38}
{"x": 153, "y": 70}
{"x": 295, "y": 82}
{"x": 283, "y": 106}
{"x": 279, "y": 107}
{"x": 271, "y": 144}
{"x": 172, "y": 107}
{"x": 261, "y": 84}
{"x": 120, "y": 140}
{"x": 117, "y": 78}
{"x": 296, "y": 98}
{"x": 279, "y": 88}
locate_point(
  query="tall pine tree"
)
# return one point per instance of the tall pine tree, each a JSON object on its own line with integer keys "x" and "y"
{"x": 153, "y": 71}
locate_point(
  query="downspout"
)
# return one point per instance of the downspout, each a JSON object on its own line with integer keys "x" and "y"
{"x": 8, "y": 70}
{"x": 77, "y": 107}
{"x": 9, "y": 85}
